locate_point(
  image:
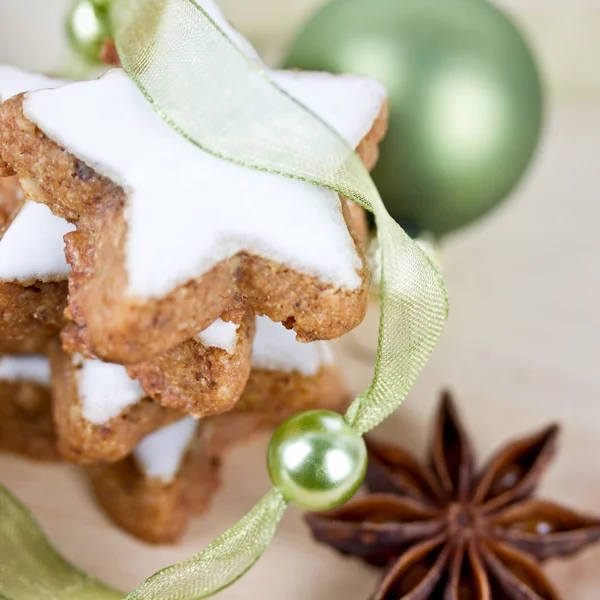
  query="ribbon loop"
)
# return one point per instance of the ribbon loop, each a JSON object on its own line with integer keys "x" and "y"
{"x": 31, "y": 569}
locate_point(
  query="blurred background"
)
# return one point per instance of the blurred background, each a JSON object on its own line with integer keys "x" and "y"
{"x": 564, "y": 33}
{"x": 521, "y": 346}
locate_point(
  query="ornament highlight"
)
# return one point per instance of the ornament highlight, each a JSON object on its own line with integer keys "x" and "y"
{"x": 87, "y": 28}
{"x": 316, "y": 460}
{"x": 465, "y": 94}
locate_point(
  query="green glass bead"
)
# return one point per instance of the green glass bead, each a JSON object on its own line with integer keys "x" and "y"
{"x": 466, "y": 100}
{"x": 317, "y": 460}
{"x": 87, "y": 28}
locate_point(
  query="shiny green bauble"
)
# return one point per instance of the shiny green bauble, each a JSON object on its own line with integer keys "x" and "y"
{"x": 465, "y": 97}
{"x": 87, "y": 28}
{"x": 316, "y": 460}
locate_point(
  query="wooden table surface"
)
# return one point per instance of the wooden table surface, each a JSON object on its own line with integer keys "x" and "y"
{"x": 520, "y": 350}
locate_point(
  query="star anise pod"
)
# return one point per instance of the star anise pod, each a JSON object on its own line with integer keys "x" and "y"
{"x": 449, "y": 533}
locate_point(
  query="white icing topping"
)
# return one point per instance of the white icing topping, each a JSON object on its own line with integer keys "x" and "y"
{"x": 277, "y": 349}
{"x": 105, "y": 389}
{"x": 33, "y": 246}
{"x": 188, "y": 210}
{"x": 221, "y": 334}
{"x": 160, "y": 454}
{"x": 31, "y": 368}
{"x": 350, "y": 104}
{"x": 13, "y": 81}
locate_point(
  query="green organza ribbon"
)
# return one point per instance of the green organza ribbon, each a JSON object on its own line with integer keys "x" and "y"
{"x": 225, "y": 102}
{"x": 31, "y": 569}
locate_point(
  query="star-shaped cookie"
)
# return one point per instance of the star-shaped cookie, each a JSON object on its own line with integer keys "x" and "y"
{"x": 203, "y": 376}
{"x": 102, "y": 413}
{"x": 170, "y": 237}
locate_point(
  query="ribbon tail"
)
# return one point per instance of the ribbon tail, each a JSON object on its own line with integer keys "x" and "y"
{"x": 413, "y": 311}
{"x": 222, "y": 563}
{"x": 31, "y": 568}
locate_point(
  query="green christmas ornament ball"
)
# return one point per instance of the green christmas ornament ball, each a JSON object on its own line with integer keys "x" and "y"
{"x": 87, "y": 28}
{"x": 316, "y": 460}
{"x": 466, "y": 100}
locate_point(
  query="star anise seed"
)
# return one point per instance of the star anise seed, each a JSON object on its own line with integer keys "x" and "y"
{"x": 449, "y": 533}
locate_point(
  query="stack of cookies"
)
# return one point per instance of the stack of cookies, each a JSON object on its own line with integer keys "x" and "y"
{"x": 157, "y": 304}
